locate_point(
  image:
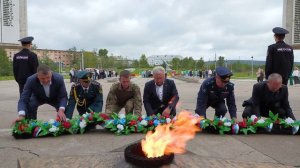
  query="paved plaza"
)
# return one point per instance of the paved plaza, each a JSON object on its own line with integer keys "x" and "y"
{"x": 100, "y": 148}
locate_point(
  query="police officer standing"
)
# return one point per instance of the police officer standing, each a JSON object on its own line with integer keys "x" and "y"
{"x": 25, "y": 63}
{"x": 214, "y": 91}
{"x": 280, "y": 56}
{"x": 86, "y": 94}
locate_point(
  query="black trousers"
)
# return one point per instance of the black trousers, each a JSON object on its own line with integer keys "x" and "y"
{"x": 263, "y": 111}
{"x": 33, "y": 105}
{"x": 21, "y": 88}
{"x": 220, "y": 109}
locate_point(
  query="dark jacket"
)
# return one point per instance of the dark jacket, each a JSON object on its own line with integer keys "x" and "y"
{"x": 262, "y": 96}
{"x": 25, "y": 64}
{"x": 280, "y": 59}
{"x": 151, "y": 101}
{"x": 33, "y": 87}
{"x": 209, "y": 95}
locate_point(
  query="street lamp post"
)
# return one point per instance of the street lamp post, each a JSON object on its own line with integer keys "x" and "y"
{"x": 252, "y": 67}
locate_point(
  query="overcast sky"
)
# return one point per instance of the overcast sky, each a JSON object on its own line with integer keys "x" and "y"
{"x": 236, "y": 29}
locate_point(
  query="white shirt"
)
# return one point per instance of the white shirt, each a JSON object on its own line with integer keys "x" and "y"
{"x": 159, "y": 91}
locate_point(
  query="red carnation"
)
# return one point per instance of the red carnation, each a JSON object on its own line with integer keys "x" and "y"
{"x": 256, "y": 119}
{"x": 92, "y": 113}
{"x": 90, "y": 118}
{"x": 104, "y": 116}
{"x": 220, "y": 123}
{"x": 132, "y": 122}
{"x": 150, "y": 123}
{"x": 66, "y": 124}
{"x": 167, "y": 115}
{"x": 243, "y": 124}
{"x": 252, "y": 123}
{"x": 140, "y": 118}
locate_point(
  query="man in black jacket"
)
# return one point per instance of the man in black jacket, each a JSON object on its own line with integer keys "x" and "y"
{"x": 270, "y": 95}
{"x": 280, "y": 56}
{"x": 25, "y": 63}
{"x": 160, "y": 94}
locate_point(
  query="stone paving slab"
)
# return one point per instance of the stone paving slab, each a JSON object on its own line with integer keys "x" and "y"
{"x": 116, "y": 159}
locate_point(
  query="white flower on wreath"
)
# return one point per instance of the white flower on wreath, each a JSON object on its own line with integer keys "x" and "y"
{"x": 144, "y": 123}
{"x": 261, "y": 121}
{"x": 86, "y": 115}
{"x": 168, "y": 120}
{"x": 223, "y": 119}
{"x": 53, "y": 129}
{"x": 289, "y": 120}
{"x": 253, "y": 117}
{"x": 227, "y": 124}
{"x": 51, "y": 121}
{"x": 121, "y": 115}
{"x": 82, "y": 124}
{"x": 120, "y": 127}
{"x": 144, "y": 116}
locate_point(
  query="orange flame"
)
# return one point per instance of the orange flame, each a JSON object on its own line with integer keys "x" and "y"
{"x": 172, "y": 137}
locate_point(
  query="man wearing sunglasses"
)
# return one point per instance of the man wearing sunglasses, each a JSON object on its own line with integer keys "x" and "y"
{"x": 213, "y": 93}
{"x": 86, "y": 95}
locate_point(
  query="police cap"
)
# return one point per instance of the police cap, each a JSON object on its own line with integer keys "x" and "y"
{"x": 280, "y": 31}
{"x": 223, "y": 72}
{"x": 26, "y": 40}
{"x": 82, "y": 75}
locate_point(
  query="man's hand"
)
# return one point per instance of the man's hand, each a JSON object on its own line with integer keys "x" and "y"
{"x": 166, "y": 112}
{"x": 61, "y": 114}
{"x": 21, "y": 117}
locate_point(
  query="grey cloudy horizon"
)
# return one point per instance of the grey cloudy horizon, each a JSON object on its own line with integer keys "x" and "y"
{"x": 236, "y": 29}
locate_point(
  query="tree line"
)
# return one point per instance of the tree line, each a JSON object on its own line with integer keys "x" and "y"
{"x": 100, "y": 59}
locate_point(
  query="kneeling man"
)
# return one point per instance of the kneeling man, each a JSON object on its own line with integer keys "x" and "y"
{"x": 270, "y": 95}
{"x": 124, "y": 94}
{"x": 86, "y": 94}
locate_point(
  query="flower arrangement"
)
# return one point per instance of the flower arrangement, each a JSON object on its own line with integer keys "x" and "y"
{"x": 122, "y": 124}
{"x": 125, "y": 124}
{"x": 222, "y": 125}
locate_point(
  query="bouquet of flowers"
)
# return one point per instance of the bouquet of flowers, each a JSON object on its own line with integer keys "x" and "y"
{"x": 222, "y": 124}
{"x": 125, "y": 124}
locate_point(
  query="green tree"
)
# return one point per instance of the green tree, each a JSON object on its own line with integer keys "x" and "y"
{"x": 176, "y": 63}
{"x": 47, "y": 61}
{"x": 74, "y": 56}
{"x": 143, "y": 62}
{"x": 200, "y": 64}
{"x": 135, "y": 64}
{"x": 5, "y": 64}
{"x": 221, "y": 61}
{"x": 90, "y": 60}
{"x": 103, "y": 52}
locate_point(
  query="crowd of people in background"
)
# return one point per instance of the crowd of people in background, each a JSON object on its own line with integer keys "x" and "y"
{"x": 94, "y": 74}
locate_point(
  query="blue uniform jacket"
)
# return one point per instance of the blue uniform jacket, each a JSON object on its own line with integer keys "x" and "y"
{"x": 210, "y": 94}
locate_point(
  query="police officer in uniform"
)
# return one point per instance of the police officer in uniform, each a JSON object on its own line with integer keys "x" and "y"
{"x": 213, "y": 93}
{"x": 270, "y": 95}
{"x": 86, "y": 95}
{"x": 25, "y": 63}
{"x": 280, "y": 56}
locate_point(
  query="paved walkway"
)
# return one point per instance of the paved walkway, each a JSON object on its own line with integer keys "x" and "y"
{"x": 100, "y": 148}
